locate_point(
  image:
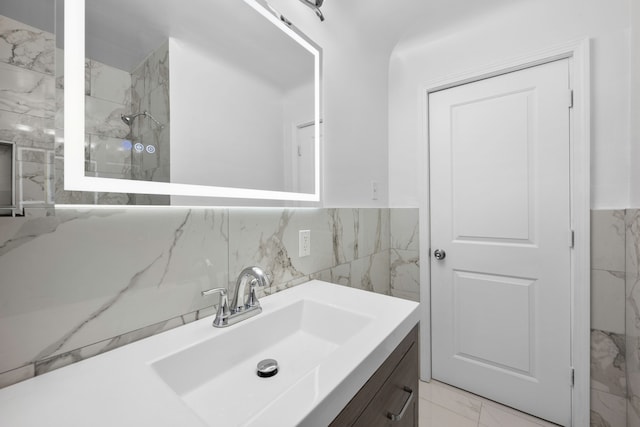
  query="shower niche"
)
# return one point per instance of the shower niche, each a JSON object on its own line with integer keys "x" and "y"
{"x": 219, "y": 99}
{"x": 7, "y": 179}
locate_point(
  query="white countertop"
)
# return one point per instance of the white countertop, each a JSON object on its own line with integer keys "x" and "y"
{"x": 121, "y": 388}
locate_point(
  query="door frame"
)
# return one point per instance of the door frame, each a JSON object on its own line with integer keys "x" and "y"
{"x": 578, "y": 51}
{"x": 294, "y": 152}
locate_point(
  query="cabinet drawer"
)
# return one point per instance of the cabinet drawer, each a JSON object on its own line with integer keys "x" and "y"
{"x": 386, "y": 389}
{"x": 396, "y": 403}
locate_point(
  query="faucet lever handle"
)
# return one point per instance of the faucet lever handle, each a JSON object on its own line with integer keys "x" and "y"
{"x": 222, "y": 291}
{"x": 253, "y": 298}
{"x": 223, "y": 308}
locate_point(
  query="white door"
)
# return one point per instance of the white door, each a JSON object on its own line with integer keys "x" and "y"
{"x": 305, "y": 140}
{"x": 500, "y": 212}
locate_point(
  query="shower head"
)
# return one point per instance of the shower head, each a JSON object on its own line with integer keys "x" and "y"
{"x": 129, "y": 118}
{"x": 315, "y": 5}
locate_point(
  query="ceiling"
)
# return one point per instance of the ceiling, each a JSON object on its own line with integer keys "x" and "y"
{"x": 385, "y": 22}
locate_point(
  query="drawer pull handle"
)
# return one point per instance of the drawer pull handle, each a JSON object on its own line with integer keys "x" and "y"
{"x": 398, "y": 417}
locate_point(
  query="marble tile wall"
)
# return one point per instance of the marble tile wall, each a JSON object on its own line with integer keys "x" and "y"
{"x": 107, "y": 277}
{"x": 31, "y": 103}
{"x": 107, "y": 95}
{"x": 611, "y": 232}
{"x": 27, "y": 108}
{"x": 405, "y": 255}
{"x": 632, "y": 293}
{"x": 150, "y": 92}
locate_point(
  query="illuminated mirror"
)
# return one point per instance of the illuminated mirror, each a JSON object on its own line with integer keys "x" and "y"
{"x": 166, "y": 102}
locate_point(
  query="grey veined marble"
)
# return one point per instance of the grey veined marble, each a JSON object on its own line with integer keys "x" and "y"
{"x": 607, "y": 410}
{"x": 83, "y": 282}
{"x": 26, "y": 46}
{"x": 608, "y": 240}
{"x": 608, "y": 369}
{"x": 26, "y": 92}
{"x": 102, "y": 274}
{"x": 404, "y": 256}
{"x": 404, "y": 229}
{"x": 632, "y": 323}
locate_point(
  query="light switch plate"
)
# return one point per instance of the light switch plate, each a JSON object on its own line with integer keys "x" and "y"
{"x": 374, "y": 190}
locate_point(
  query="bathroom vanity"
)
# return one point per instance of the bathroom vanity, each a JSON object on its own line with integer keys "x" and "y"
{"x": 390, "y": 397}
{"x": 345, "y": 356}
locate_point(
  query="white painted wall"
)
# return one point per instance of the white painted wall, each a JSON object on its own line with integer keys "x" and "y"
{"x": 207, "y": 112}
{"x": 355, "y": 87}
{"x": 504, "y": 34}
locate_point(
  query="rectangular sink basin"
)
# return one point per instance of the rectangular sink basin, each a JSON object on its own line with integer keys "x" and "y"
{"x": 217, "y": 377}
{"x": 328, "y": 339}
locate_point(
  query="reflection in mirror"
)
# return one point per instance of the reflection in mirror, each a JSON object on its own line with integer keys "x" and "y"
{"x": 218, "y": 99}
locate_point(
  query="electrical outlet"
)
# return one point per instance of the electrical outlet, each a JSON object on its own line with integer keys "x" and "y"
{"x": 304, "y": 243}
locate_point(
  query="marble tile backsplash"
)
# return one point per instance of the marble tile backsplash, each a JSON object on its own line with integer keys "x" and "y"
{"x": 107, "y": 277}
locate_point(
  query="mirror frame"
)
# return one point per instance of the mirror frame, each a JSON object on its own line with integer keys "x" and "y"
{"x": 74, "y": 120}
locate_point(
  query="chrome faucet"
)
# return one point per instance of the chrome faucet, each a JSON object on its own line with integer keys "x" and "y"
{"x": 240, "y": 309}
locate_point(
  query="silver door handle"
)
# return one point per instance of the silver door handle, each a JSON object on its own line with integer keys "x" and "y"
{"x": 439, "y": 254}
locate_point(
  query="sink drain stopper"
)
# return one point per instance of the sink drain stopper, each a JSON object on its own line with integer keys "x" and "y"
{"x": 267, "y": 368}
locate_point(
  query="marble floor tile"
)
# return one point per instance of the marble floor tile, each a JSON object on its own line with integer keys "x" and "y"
{"x": 445, "y": 406}
{"x": 432, "y": 415}
{"x": 495, "y": 415}
{"x": 462, "y": 403}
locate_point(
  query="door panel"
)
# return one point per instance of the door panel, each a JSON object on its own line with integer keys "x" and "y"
{"x": 491, "y": 198}
{"x": 490, "y": 310}
{"x": 500, "y": 209}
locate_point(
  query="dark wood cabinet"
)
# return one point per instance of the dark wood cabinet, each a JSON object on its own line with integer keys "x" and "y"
{"x": 390, "y": 397}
